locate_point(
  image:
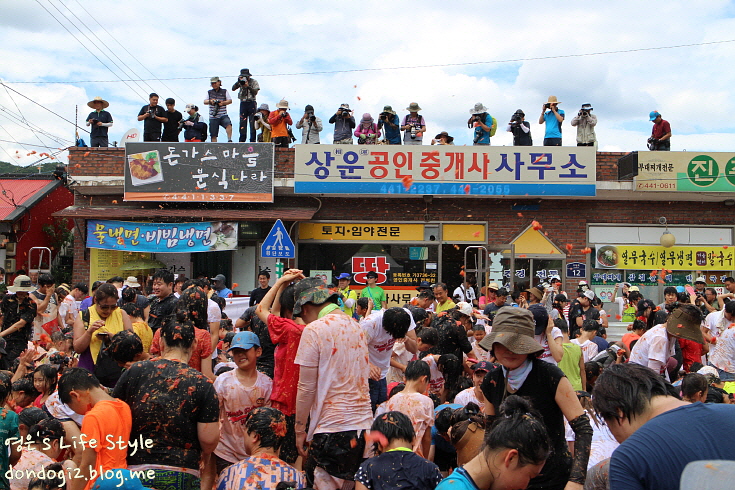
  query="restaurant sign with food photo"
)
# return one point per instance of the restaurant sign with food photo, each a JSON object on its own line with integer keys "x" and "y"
{"x": 199, "y": 172}
{"x": 607, "y": 257}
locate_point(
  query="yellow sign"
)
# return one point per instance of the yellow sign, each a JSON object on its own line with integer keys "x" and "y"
{"x": 367, "y": 232}
{"x": 463, "y": 233}
{"x": 394, "y": 295}
{"x": 684, "y": 258}
{"x": 685, "y": 171}
{"x": 104, "y": 264}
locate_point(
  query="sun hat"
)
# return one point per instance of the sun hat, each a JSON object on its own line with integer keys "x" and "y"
{"x": 191, "y": 106}
{"x": 478, "y": 109}
{"x": 513, "y": 327}
{"x": 132, "y": 282}
{"x": 482, "y": 366}
{"x": 536, "y": 292}
{"x": 493, "y": 286}
{"x": 345, "y": 107}
{"x": 244, "y": 340}
{"x": 587, "y": 107}
{"x": 105, "y": 104}
{"x": 423, "y": 285}
{"x": 682, "y": 324}
{"x": 214, "y": 79}
{"x": 540, "y": 318}
{"x": 311, "y": 290}
{"x": 446, "y": 135}
{"x": 552, "y": 100}
{"x": 389, "y": 109}
{"x": 701, "y": 279}
{"x": 119, "y": 480}
{"x": 344, "y": 275}
{"x": 264, "y": 107}
{"x": 245, "y": 72}
{"x": 464, "y": 308}
{"x": 21, "y": 284}
{"x": 366, "y": 118}
{"x": 282, "y": 104}
{"x": 653, "y": 115}
{"x": 413, "y": 107}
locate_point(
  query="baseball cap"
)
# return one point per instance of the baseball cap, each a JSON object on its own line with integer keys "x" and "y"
{"x": 653, "y": 115}
{"x": 214, "y": 79}
{"x": 344, "y": 275}
{"x": 582, "y": 283}
{"x": 120, "y": 480}
{"x": 482, "y": 366}
{"x": 590, "y": 295}
{"x": 634, "y": 289}
{"x": 244, "y": 340}
{"x": 219, "y": 277}
{"x": 701, "y": 279}
{"x": 464, "y": 308}
{"x": 423, "y": 285}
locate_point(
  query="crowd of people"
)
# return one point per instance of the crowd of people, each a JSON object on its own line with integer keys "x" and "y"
{"x": 166, "y": 125}
{"x": 325, "y": 386}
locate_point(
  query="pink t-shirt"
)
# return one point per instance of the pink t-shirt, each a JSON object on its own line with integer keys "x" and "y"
{"x": 419, "y": 408}
{"x": 235, "y": 401}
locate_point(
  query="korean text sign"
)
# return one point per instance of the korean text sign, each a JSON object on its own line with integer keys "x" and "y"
{"x": 199, "y": 172}
{"x": 161, "y": 237}
{"x": 687, "y": 258}
{"x": 458, "y": 170}
{"x": 685, "y": 171}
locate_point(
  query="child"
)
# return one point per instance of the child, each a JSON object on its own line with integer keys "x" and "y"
{"x": 8, "y": 430}
{"x": 105, "y": 417}
{"x": 426, "y": 339}
{"x": 265, "y": 430}
{"x": 140, "y": 327}
{"x": 589, "y": 331}
{"x": 396, "y": 466}
{"x": 28, "y": 418}
{"x": 474, "y": 394}
{"x": 514, "y": 451}
{"x": 478, "y": 353}
{"x": 418, "y": 407}
{"x": 239, "y": 391}
{"x": 24, "y": 392}
{"x": 572, "y": 362}
{"x": 127, "y": 347}
{"x": 44, "y": 380}
{"x": 42, "y": 448}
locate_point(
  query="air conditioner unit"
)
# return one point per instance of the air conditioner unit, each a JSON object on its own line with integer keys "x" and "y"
{"x": 10, "y": 266}
{"x": 10, "y": 249}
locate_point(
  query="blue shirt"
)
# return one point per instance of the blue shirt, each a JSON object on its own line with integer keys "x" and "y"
{"x": 393, "y": 135}
{"x": 602, "y": 344}
{"x": 458, "y": 480}
{"x": 654, "y": 457}
{"x": 482, "y": 137}
{"x": 552, "y": 125}
{"x": 86, "y": 303}
{"x": 224, "y": 293}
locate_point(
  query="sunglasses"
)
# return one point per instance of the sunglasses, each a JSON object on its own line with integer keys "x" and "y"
{"x": 106, "y": 307}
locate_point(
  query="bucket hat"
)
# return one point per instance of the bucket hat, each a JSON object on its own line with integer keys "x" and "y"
{"x": 132, "y": 282}
{"x": 264, "y": 107}
{"x": 479, "y": 108}
{"x": 282, "y": 104}
{"x": 413, "y": 107}
{"x": 389, "y": 109}
{"x": 245, "y": 72}
{"x": 446, "y": 135}
{"x": 681, "y": 324}
{"x": 311, "y": 290}
{"x": 513, "y": 327}
{"x": 21, "y": 284}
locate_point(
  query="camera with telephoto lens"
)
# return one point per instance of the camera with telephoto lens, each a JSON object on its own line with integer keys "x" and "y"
{"x": 413, "y": 132}
{"x": 243, "y": 80}
{"x": 584, "y": 112}
{"x": 516, "y": 119}
{"x": 312, "y": 117}
{"x": 258, "y": 115}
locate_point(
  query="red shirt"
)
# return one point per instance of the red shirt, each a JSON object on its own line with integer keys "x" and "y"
{"x": 660, "y": 129}
{"x": 691, "y": 351}
{"x": 203, "y": 350}
{"x": 287, "y": 334}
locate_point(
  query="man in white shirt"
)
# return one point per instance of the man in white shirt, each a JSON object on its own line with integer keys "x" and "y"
{"x": 465, "y": 292}
{"x": 68, "y": 308}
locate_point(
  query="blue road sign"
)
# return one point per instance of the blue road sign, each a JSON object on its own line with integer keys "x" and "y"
{"x": 278, "y": 244}
{"x": 576, "y": 270}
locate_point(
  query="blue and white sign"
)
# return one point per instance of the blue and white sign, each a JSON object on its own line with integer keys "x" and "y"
{"x": 278, "y": 244}
{"x": 576, "y": 270}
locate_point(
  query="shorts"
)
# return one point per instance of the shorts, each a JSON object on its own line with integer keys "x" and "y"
{"x": 552, "y": 141}
{"x": 172, "y": 480}
{"x": 215, "y": 123}
{"x": 339, "y": 454}
{"x": 346, "y": 141}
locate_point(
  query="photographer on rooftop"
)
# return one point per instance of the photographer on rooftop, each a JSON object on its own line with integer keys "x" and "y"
{"x": 552, "y": 116}
{"x": 218, "y": 99}
{"x": 482, "y": 123}
{"x": 585, "y": 122}
{"x": 248, "y": 89}
{"x": 520, "y": 128}
{"x": 344, "y": 123}
{"x": 153, "y": 116}
{"x": 389, "y": 120}
{"x": 310, "y": 127}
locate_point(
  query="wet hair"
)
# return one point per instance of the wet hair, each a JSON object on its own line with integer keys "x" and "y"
{"x": 82, "y": 287}
{"x": 396, "y": 389}
{"x": 519, "y": 427}
{"x": 129, "y": 295}
{"x": 264, "y": 273}
{"x": 24, "y": 384}
{"x": 451, "y": 367}
{"x": 461, "y": 419}
{"x": 562, "y": 325}
{"x": 394, "y": 426}
{"x": 416, "y": 369}
{"x": 49, "y": 428}
{"x": 287, "y": 299}
{"x": 105, "y": 291}
{"x": 75, "y": 379}
{"x": 31, "y": 416}
{"x": 626, "y": 388}
{"x": 6, "y": 386}
{"x": 192, "y": 308}
{"x": 219, "y": 300}
{"x": 428, "y": 335}
{"x": 683, "y": 297}
{"x": 396, "y": 322}
{"x": 591, "y": 326}
{"x": 46, "y": 280}
{"x": 670, "y": 290}
{"x": 269, "y": 423}
{"x": 639, "y": 325}
{"x": 363, "y": 302}
{"x": 692, "y": 384}
{"x": 426, "y": 294}
{"x": 124, "y": 346}
{"x": 560, "y": 298}
{"x": 177, "y": 334}
{"x": 164, "y": 275}
{"x": 443, "y": 419}
{"x": 133, "y": 310}
{"x": 50, "y": 376}
{"x": 54, "y": 482}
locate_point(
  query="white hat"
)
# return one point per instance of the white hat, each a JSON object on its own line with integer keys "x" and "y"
{"x": 582, "y": 283}
{"x": 589, "y": 294}
{"x": 701, "y": 279}
{"x": 282, "y": 104}
{"x": 464, "y": 308}
{"x": 21, "y": 284}
{"x": 705, "y": 370}
{"x": 131, "y": 282}
{"x": 478, "y": 109}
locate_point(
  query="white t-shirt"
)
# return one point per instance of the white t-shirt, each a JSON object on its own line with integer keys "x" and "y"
{"x": 235, "y": 401}
{"x": 436, "y": 381}
{"x": 466, "y": 396}
{"x": 403, "y": 356}
{"x": 723, "y": 354}
{"x": 61, "y": 411}
{"x": 69, "y": 305}
{"x": 589, "y": 349}
{"x": 541, "y": 339}
{"x": 335, "y": 344}
{"x": 214, "y": 314}
{"x": 653, "y": 349}
{"x": 466, "y": 295}
{"x": 379, "y": 341}
{"x": 717, "y": 323}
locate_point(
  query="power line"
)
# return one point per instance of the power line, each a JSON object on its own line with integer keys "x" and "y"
{"x": 29, "y": 144}
{"x": 32, "y": 127}
{"x": 440, "y": 65}
{"x": 41, "y": 105}
{"x": 84, "y": 45}
{"x": 23, "y": 118}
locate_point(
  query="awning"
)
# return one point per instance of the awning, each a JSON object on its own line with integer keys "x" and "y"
{"x": 222, "y": 214}
{"x": 17, "y": 196}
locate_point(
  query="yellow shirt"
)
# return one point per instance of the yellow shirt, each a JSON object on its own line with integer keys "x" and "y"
{"x": 348, "y": 294}
{"x": 447, "y": 305}
{"x": 145, "y": 333}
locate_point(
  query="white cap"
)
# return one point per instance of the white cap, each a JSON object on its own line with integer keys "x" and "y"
{"x": 464, "y": 308}
{"x": 700, "y": 279}
{"x": 589, "y": 294}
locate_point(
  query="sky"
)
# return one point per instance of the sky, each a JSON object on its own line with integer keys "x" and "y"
{"x": 444, "y": 55}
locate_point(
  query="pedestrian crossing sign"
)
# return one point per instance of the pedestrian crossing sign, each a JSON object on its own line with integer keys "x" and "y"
{"x": 278, "y": 244}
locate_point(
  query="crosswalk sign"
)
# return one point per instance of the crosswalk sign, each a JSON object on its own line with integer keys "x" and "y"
{"x": 278, "y": 244}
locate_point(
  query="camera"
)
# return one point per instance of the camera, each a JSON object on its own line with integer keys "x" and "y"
{"x": 385, "y": 115}
{"x": 258, "y": 115}
{"x": 152, "y": 112}
{"x": 243, "y": 80}
{"x": 93, "y": 121}
{"x": 413, "y": 132}
{"x": 584, "y": 113}
{"x": 312, "y": 117}
{"x": 516, "y": 119}
{"x": 547, "y": 106}
{"x": 215, "y": 103}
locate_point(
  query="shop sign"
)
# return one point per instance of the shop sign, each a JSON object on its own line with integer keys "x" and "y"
{"x": 104, "y": 264}
{"x": 656, "y": 257}
{"x": 446, "y": 170}
{"x": 523, "y": 273}
{"x": 374, "y": 232}
{"x": 199, "y": 172}
{"x": 646, "y": 278}
{"x": 686, "y": 171}
{"x": 162, "y": 237}
{"x": 413, "y": 278}
{"x": 362, "y": 265}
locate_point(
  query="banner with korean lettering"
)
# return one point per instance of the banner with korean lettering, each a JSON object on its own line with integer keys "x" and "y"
{"x": 441, "y": 170}
{"x": 686, "y": 258}
{"x": 686, "y": 171}
{"x": 199, "y": 172}
{"x": 162, "y": 237}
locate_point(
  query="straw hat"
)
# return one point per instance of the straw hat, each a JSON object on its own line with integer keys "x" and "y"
{"x": 552, "y": 100}
{"x": 282, "y": 104}
{"x": 105, "y": 104}
{"x": 514, "y": 328}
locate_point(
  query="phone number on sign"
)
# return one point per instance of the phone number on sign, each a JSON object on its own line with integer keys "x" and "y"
{"x": 655, "y": 185}
{"x": 198, "y": 197}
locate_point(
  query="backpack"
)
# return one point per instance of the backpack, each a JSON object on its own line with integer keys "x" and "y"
{"x": 493, "y": 126}
{"x": 204, "y": 131}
